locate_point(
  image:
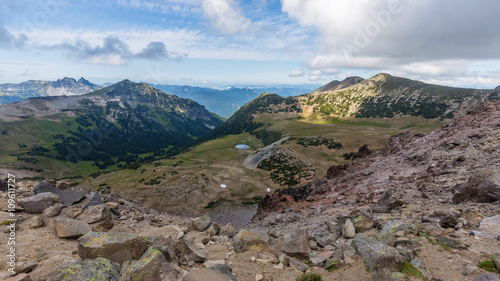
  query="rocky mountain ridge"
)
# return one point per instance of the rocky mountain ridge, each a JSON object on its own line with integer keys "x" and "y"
{"x": 423, "y": 208}
{"x": 12, "y": 92}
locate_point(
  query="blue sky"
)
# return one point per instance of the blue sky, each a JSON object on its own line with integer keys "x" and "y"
{"x": 233, "y": 42}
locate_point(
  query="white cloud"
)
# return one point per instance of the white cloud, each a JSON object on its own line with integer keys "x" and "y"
{"x": 225, "y": 16}
{"x": 421, "y": 38}
{"x": 296, "y": 73}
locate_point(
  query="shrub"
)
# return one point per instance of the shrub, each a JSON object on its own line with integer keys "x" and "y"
{"x": 309, "y": 277}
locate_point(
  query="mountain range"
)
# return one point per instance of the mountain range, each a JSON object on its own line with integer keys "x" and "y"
{"x": 12, "y": 92}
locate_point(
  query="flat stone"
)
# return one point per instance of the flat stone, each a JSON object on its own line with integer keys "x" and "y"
{"x": 68, "y": 197}
{"x": 53, "y": 211}
{"x": 71, "y": 211}
{"x": 20, "y": 277}
{"x": 37, "y": 203}
{"x": 117, "y": 247}
{"x": 70, "y": 228}
{"x": 99, "y": 269}
{"x": 321, "y": 257}
{"x": 172, "y": 231}
{"x": 451, "y": 242}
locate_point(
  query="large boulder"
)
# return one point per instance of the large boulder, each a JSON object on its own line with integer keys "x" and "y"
{"x": 68, "y": 197}
{"x": 94, "y": 199}
{"x": 70, "y": 228}
{"x": 117, "y": 247}
{"x": 98, "y": 216}
{"x": 205, "y": 274}
{"x": 362, "y": 223}
{"x": 297, "y": 244}
{"x": 187, "y": 251}
{"x": 487, "y": 277}
{"x": 483, "y": 188}
{"x": 37, "y": 203}
{"x": 53, "y": 211}
{"x": 99, "y": 269}
{"x": 377, "y": 255}
{"x": 249, "y": 241}
{"x": 151, "y": 266}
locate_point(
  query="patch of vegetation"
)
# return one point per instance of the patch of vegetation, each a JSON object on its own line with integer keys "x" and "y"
{"x": 104, "y": 189}
{"x": 309, "y": 277}
{"x": 211, "y": 204}
{"x": 31, "y": 160}
{"x": 254, "y": 200}
{"x": 154, "y": 181}
{"x": 285, "y": 169}
{"x": 318, "y": 141}
{"x": 489, "y": 265}
{"x": 410, "y": 269}
{"x": 268, "y": 135}
{"x": 435, "y": 242}
{"x": 348, "y": 156}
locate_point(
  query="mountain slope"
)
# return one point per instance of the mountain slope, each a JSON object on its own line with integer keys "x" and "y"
{"x": 67, "y": 86}
{"x": 120, "y": 124}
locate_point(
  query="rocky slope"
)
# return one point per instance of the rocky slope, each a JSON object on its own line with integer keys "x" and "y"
{"x": 426, "y": 207}
{"x": 11, "y": 92}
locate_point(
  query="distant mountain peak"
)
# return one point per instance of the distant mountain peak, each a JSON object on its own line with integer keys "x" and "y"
{"x": 338, "y": 85}
{"x": 497, "y": 88}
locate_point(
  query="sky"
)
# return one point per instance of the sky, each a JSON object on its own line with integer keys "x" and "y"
{"x": 262, "y": 42}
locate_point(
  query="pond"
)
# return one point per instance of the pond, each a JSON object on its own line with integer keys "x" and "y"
{"x": 242, "y": 146}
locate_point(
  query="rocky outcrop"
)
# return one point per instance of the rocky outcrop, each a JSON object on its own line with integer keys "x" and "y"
{"x": 483, "y": 188}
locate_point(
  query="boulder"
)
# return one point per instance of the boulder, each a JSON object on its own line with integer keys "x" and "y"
{"x": 68, "y": 197}
{"x": 487, "y": 277}
{"x": 99, "y": 269}
{"x": 490, "y": 225}
{"x": 377, "y": 255}
{"x": 99, "y": 217}
{"x": 37, "y": 203}
{"x": 300, "y": 266}
{"x": 187, "y": 251}
{"x": 24, "y": 266}
{"x": 205, "y": 274}
{"x": 483, "y": 188}
{"x": 224, "y": 269}
{"x": 151, "y": 266}
{"x": 213, "y": 229}
{"x": 172, "y": 231}
{"x": 70, "y": 228}
{"x": 388, "y": 234}
{"x": 321, "y": 237}
{"x": 117, "y": 247}
{"x": 249, "y": 241}
{"x": 201, "y": 223}
{"x": 321, "y": 258}
{"x": 53, "y": 211}
{"x": 362, "y": 223}
{"x": 167, "y": 246}
{"x": 36, "y": 222}
{"x": 71, "y": 212}
{"x": 348, "y": 229}
{"x": 4, "y": 185}
{"x": 297, "y": 244}
{"x": 452, "y": 243}
{"x": 95, "y": 199}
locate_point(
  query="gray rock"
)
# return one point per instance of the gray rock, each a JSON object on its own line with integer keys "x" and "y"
{"x": 70, "y": 228}
{"x": 483, "y": 188}
{"x": 53, "y": 211}
{"x": 487, "y": 277}
{"x": 381, "y": 209}
{"x": 4, "y": 185}
{"x": 388, "y": 234}
{"x": 98, "y": 216}
{"x": 297, "y": 244}
{"x": 490, "y": 225}
{"x": 71, "y": 212}
{"x": 37, "y": 203}
{"x": 167, "y": 246}
{"x": 298, "y": 264}
{"x": 348, "y": 230}
{"x": 36, "y": 222}
{"x": 362, "y": 223}
{"x": 377, "y": 255}
{"x": 68, "y": 197}
{"x": 321, "y": 258}
{"x": 224, "y": 269}
{"x": 201, "y": 223}
{"x": 205, "y": 274}
{"x": 321, "y": 237}
{"x": 117, "y": 247}
{"x": 151, "y": 266}
{"x": 187, "y": 251}
{"x": 24, "y": 266}
{"x": 451, "y": 242}
{"x": 99, "y": 269}
{"x": 94, "y": 200}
